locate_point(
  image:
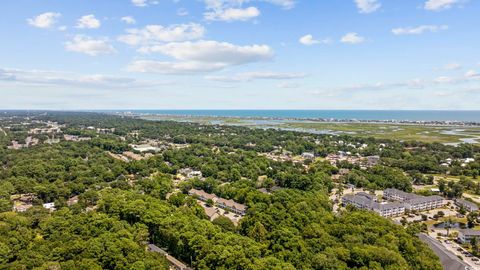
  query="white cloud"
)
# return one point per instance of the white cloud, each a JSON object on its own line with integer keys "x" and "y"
{"x": 233, "y": 10}
{"x": 233, "y": 14}
{"x": 308, "y": 40}
{"x": 152, "y": 34}
{"x": 128, "y": 20}
{"x": 58, "y": 78}
{"x": 352, "y": 38}
{"x": 88, "y": 22}
{"x": 90, "y": 46}
{"x": 201, "y": 56}
{"x": 139, "y": 3}
{"x": 472, "y": 74}
{"x": 437, "y": 5}
{"x": 213, "y": 51}
{"x": 419, "y": 29}
{"x": 215, "y": 4}
{"x": 367, "y": 6}
{"x": 452, "y": 66}
{"x": 45, "y": 20}
{"x": 144, "y": 3}
{"x": 444, "y": 79}
{"x": 286, "y": 4}
{"x": 259, "y": 75}
{"x": 163, "y": 67}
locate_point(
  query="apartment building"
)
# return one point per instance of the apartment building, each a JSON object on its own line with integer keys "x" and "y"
{"x": 469, "y": 206}
{"x": 466, "y": 235}
{"x": 362, "y": 201}
{"x": 412, "y": 201}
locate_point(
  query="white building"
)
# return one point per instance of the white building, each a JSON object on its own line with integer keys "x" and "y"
{"x": 412, "y": 201}
{"x": 466, "y": 235}
{"x": 49, "y": 206}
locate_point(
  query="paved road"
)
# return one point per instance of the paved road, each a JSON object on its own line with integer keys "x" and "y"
{"x": 449, "y": 260}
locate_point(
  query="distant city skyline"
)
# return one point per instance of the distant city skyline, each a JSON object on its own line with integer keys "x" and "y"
{"x": 240, "y": 54}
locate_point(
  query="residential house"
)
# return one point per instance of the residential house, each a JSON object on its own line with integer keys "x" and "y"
{"x": 212, "y": 212}
{"x": 307, "y": 155}
{"x": 190, "y": 173}
{"x": 75, "y": 138}
{"x": 373, "y": 160}
{"x": 21, "y": 207}
{"x": 73, "y": 200}
{"x": 49, "y": 206}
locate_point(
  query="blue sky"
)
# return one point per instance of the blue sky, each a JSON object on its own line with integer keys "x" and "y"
{"x": 240, "y": 54}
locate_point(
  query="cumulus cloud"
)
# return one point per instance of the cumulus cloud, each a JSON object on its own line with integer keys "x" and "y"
{"x": 213, "y": 51}
{"x": 201, "y": 56}
{"x": 143, "y": 3}
{"x": 44, "y": 20}
{"x": 367, "y": 6}
{"x": 259, "y": 75}
{"x": 88, "y": 22}
{"x": 90, "y": 46}
{"x": 286, "y": 4}
{"x": 308, "y": 40}
{"x": 234, "y": 10}
{"x": 158, "y": 33}
{"x": 419, "y": 29}
{"x": 58, "y": 78}
{"x": 436, "y": 5}
{"x": 352, "y": 38}
{"x": 128, "y": 20}
{"x": 233, "y": 14}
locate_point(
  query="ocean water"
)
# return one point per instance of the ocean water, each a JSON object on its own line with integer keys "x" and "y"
{"x": 384, "y": 115}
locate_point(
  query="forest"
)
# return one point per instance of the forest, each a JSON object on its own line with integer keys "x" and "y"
{"x": 123, "y": 206}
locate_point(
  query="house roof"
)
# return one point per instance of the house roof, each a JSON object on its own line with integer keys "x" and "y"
{"x": 232, "y": 204}
{"x": 467, "y": 203}
{"x": 470, "y": 232}
{"x": 203, "y": 194}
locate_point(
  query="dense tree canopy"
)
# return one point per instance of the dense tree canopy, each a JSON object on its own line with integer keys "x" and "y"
{"x": 124, "y": 205}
